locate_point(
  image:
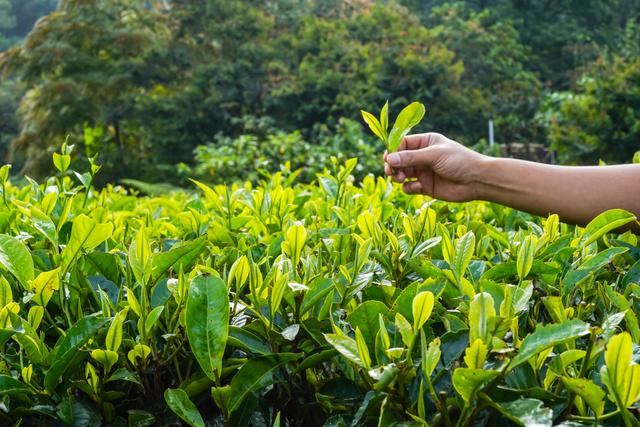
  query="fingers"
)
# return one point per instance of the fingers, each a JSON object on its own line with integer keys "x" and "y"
{"x": 418, "y": 141}
{"x": 412, "y": 187}
{"x": 420, "y": 158}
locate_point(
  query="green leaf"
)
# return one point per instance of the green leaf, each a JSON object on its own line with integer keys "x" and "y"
{"x": 86, "y": 234}
{"x": 346, "y": 346}
{"x": 408, "y": 118}
{"x": 384, "y": 119}
{"x": 152, "y": 319}
{"x": 365, "y": 316}
{"x": 363, "y": 351}
{"x": 255, "y": 375}
{"x": 140, "y": 256}
{"x": 589, "y": 266}
{"x": 247, "y": 341}
{"x": 295, "y": 239}
{"x": 430, "y": 354}
{"x": 180, "y": 255}
{"x": 45, "y": 285}
{"x": 319, "y": 288}
{"x": 468, "y": 381}
{"x": 9, "y": 385}
{"x": 106, "y": 358}
{"x": 526, "y": 253}
{"x": 482, "y": 314}
{"x": 374, "y": 125}
{"x": 6, "y": 295}
{"x": 207, "y": 321}
{"x": 605, "y": 222}
{"x": 183, "y": 407}
{"x": 65, "y": 350}
{"x": 61, "y": 161}
{"x": 465, "y": 247}
{"x": 549, "y": 336}
{"x": 620, "y": 375}
{"x": 114, "y": 333}
{"x": 16, "y": 258}
{"x": 588, "y": 391}
{"x": 421, "y": 308}
{"x": 405, "y": 329}
{"x": 44, "y": 225}
{"x": 529, "y": 412}
{"x": 476, "y": 354}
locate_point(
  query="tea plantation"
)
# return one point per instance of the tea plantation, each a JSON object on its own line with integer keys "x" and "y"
{"x": 335, "y": 303}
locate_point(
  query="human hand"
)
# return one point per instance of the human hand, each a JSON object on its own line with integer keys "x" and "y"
{"x": 437, "y": 166}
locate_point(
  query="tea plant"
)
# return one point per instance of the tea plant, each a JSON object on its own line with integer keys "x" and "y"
{"x": 334, "y": 303}
{"x": 409, "y": 117}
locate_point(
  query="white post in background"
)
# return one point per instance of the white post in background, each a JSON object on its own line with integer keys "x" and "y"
{"x": 490, "y": 133}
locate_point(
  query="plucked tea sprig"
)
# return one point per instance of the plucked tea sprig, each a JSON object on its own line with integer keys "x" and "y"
{"x": 408, "y": 118}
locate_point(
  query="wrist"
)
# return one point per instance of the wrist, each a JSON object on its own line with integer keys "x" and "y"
{"x": 486, "y": 177}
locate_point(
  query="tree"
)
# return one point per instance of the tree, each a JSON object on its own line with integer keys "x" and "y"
{"x": 7, "y": 21}
{"x": 602, "y": 119}
{"x": 87, "y": 66}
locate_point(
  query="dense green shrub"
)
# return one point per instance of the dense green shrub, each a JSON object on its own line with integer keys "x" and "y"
{"x": 601, "y": 120}
{"x": 249, "y": 157}
{"x": 330, "y": 303}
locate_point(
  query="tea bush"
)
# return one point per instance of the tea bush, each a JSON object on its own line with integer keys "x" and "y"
{"x": 332, "y": 303}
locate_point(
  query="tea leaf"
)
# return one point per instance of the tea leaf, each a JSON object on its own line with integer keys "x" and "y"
{"x": 602, "y": 224}
{"x": 468, "y": 381}
{"x": 9, "y": 386}
{"x": 180, "y": 255}
{"x": 15, "y": 257}
{"x": 476, "y": 354}
{"x": 591, "y": 393}
{"x": 526, "y": 253}
{"x": 482, "y": 315}
{"x": 86, "y": 234}
{"x": 363, "y": 351}
{"x": 620, "y": 375}
{"x": 63, "y": 357}
{"x": 465, "y": 247}
{"x": 346, "y": 346}
{"x": 408, "y": 118}
{"x": 207, "y": 318}
{"x": 374, "y": 125}
{"x": 528, "y": 412}
{"x": 255, "y": 375}
{"x": 421, "y": 307}
{"x": 183, "y": 407}
{"x": 384, "y": 119}
{"x": 548, "y": 336}
{"x": 365, "y": 317}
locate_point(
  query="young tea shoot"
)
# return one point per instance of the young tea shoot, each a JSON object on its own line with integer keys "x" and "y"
{"x": 409, "y": 117}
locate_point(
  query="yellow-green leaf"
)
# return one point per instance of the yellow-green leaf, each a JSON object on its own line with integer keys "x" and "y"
{"x": 476, "y": 354}
{"x": 526, "y": 253}
{"x": 482, "y": 315}
{"x": 374, "y": 125}
{"x": 45, "y": 285}
{"x": 363, "y": 351}
{"x": 421, "y": 306}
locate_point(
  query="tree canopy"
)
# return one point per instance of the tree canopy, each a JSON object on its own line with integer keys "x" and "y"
{"x": 145, "y": 83}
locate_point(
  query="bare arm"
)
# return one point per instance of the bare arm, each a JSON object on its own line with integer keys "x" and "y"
{"x": 576, "y": 193}
{"x": 435, "y": 165}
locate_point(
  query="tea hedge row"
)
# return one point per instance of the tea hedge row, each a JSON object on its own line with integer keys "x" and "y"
{"x": 335, "y": 303}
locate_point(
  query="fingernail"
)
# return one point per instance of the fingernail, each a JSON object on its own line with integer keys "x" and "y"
{"x": 393, "y": 159}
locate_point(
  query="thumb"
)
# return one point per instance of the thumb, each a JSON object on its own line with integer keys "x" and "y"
{"x": 408, "y": 158}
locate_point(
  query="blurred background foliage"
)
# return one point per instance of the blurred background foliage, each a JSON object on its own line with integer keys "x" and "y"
{"x": 225, "y": 89}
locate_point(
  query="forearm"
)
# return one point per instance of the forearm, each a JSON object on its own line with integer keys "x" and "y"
{"x": 576, "y": 194}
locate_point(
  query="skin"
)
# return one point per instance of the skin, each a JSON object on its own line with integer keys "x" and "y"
{"x": 437, "y": 166}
